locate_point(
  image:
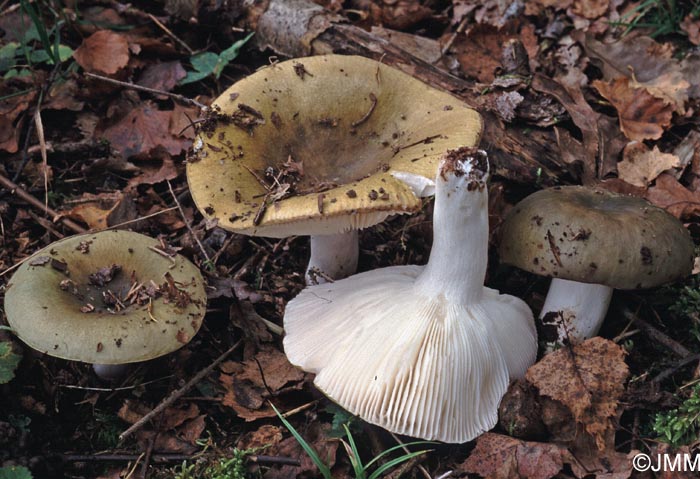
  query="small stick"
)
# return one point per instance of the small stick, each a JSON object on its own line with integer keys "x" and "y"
{"x": 673, "y": 345}
{"x": 156, "y": 458}
{"x": 175, "y": 395}
{"x": 285, "y": 461}
{"x": 366, "y": 116}
{"x": 303, "y": 407}
{"x": 174, "y": 96}
{"x": 171, "y": 34}
{"x": 135, "y": 220}
{"x": 187, "y": 223}
{"x": 460, "y": 28}
{"x": 15, "y": 189}
{"x": 405, "y": 449}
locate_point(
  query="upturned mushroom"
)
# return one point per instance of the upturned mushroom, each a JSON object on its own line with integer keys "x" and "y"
{"x": 308, "y": 147}
{"x": 425, "y": 351}
{"x": 108, "y": 298}
{"x": 590, "y": 241}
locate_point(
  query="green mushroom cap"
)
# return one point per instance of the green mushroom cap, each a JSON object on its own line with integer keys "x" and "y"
{"x": 111, "y": 297}
{"x": 591, "y": 235}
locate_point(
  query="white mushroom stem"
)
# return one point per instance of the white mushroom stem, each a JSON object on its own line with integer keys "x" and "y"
{"x": 425, "y": 351}
{"x": 459, "y": 255}
{"x": 110, "y": 372}
{"x": 576, "y": 309}
{"x": 332, "y": 256}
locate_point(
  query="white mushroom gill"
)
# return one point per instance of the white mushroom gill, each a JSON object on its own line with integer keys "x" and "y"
{"x": 425, "y": 351}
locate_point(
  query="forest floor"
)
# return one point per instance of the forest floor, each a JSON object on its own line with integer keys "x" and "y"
{"x": 614, "y": 85}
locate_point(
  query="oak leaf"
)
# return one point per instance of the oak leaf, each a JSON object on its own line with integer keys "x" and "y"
{"x": 642, "y": 115}
{"x": 640, "y": 165}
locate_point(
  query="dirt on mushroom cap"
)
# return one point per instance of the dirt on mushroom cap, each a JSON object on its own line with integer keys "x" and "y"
{"x": 350, "y": 125}
{"x": 595, "y": 236}
{"x": 64, "y": 313}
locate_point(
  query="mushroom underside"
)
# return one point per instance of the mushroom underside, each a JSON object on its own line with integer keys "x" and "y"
{"x": 411, "y": 364}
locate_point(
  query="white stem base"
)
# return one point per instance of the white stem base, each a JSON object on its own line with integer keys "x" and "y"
{"x": 110, "y": 372}
{"x": 576, "y": 310}
{"x": 332, "y": 256}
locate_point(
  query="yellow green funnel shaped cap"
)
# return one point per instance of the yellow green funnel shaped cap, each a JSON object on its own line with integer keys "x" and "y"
{"x": 112, "y": 297}
{"x": 309, "y": 146}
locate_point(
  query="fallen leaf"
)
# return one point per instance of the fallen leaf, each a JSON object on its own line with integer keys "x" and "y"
{"x": 174, "y": 416}
{"x": 646, "y": 63}
{"x": 501, "y": 457}
{"x": 104, "y": 52}
{"x": 317, "y": 436}
{"x": 403, "y": 14}
{"x": 11, "y": 121}
{"x": 157, "y": 170}
{"x": 265, "y": 436}
{"x": 669, "y": 194}
{"x": 642, "y": 115}
{"x": 588, "y": 379}
{"x": 590, "y": 9}
{"x": 479, "y": 50}
{"x": 192, "y": 429}
{"x": 141, "y": 130}
{"x": 162, "y": 76}
{"x": 249, "y": 383}
{"x": 640, "y": 165}
{"x": 101, "y": 211}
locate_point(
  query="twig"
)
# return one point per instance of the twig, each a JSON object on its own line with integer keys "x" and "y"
{"x": 405, "y": 449}
{"x": 460, "y": 28}
{"x": 16, "y": 190}
{"x": 171, "y": 34}
{"x": 110, "y": 390}
{"x": 673, "y": 345}
{"x": 174, "y": 96}
{"x": 175, "y": 395}
{"x": 303, "y": 407}
{"x": 285, "y": 461}
{"x": 668, "y": 371}
{"x": 156, "y": 458}
{"x": 39, "y": 125}
{"x": 136, "y": 220}
{"x": 187, "y": 223}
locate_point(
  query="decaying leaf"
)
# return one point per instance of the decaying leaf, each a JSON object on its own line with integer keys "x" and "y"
{"x": 104, "y": 52}
{"x": 141, "y": 130}
{"x": 588, "y": 379}
{"x": 640, "y": 165}
{"x": 646, "y": 63}
{"x": 503, "y": 457}
{"x": 250, "y": 383}
{"x": 642, "y": 115}
{"x": 590, "y": 9}
{"x": 669, "y": 194}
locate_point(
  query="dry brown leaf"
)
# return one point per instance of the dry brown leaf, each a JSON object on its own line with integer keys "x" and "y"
{"x": 141, "y": 130}
{"x": 479, "y": 50}
{"x": 162, "y": 76}
{"x": 669, "y": 194}
{"x": 588, "y": 379}
{"x": 104, "y": 52}
{"x": 403, "y": 14}
{"x": 155, "y": 171}
{"x": 95, "y": 211}
{"x": 501, "y": 457}
{"x": 590, "y": 9}
{"x": 640, "y": 165}
{"x": 192, "y": 429}
{"x": 642, "y": 115}
{"x": 174, "y": 417}
{"x": 644, "y": 62}
{"x": 317, "y": 436}
{"x": 267, "y": 435}
{"x": 249, "y": 383}
{"x": 10, "y": 127}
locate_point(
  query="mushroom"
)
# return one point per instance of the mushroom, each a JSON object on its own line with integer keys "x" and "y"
{"x": 425, "y": 351}
{"x": 107, "y": 298}
{"x": 589, "y": 241}
{"x": 309, "y": 146}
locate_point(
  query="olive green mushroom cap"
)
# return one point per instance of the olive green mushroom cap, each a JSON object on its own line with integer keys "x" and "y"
{"x": 349, "y": 123}
{"x": 68, "y": 300}
{"x": 591, "y": 235}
